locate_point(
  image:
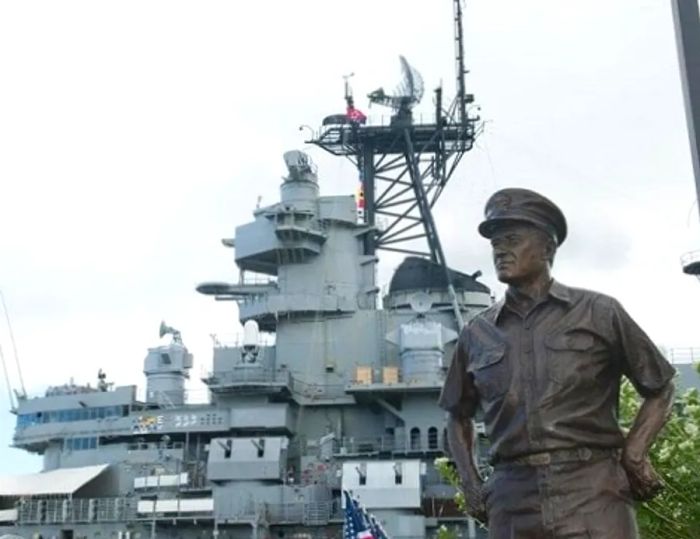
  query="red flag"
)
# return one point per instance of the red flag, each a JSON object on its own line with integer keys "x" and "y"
{"x": 355, "y": 115}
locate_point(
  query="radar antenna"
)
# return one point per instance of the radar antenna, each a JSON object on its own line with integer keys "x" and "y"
{"x": 407, "y": 94}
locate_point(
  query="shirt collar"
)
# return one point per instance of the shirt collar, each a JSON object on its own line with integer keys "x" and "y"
{"x": 560, "y": 291}
{"x": 556, "y": 290}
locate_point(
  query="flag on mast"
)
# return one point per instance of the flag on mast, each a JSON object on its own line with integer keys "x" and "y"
{"x": 360, "y": 203}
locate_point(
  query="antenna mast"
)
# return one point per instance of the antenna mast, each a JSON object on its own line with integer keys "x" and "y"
{"x": 459, "y": 61}
{"x": 14, "y": 345}
{"x": 7, "y": 379}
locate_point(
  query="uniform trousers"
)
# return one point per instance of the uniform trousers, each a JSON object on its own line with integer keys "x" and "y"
{"x": 566, "y": 500}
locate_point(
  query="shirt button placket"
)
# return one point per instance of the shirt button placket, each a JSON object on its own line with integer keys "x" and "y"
{"x": 530, "y": 382}
{"x": 527, "y": 339}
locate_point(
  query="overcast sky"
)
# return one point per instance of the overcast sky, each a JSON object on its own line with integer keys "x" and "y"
{"x": 134, "y": 135}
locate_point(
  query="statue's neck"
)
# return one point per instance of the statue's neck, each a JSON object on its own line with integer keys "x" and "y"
{"x": 523, "y": 296}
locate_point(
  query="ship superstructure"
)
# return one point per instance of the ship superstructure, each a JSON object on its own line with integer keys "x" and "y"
{"x": 343, "y": 399}
{"x": 332, "y": 387}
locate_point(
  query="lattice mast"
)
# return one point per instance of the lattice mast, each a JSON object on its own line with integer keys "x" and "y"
{"x": 404, "y": 166}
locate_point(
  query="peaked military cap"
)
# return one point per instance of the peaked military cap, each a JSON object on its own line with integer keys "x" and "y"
{"x": 515, "y": 205}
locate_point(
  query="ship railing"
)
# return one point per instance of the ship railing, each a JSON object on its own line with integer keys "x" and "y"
{"x": 56, "y": 511}
{"x": 331, "y": 132}
{"x": 384, "y": 120}
{"x": 150, "y": 446}
{"x": 306, "y": 513}
{"x": 235, "y": 340}
{"x": 433, "y": 478}
{"x": 348, "y": 446}
{"x": 352, "y": 446}
{"x": 684, "y": 355}
{"x": 257, "y": 278}
{"x": 419, "y": 380}
{"x": 391, "y": 375}
{"x": 251, "y": 376}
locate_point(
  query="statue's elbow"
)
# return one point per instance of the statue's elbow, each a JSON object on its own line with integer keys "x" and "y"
{"x": 662, "y": 400}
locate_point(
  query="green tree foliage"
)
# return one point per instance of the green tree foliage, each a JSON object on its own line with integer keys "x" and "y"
{"x": 448, "y": 472}
{"x": 443, "y": 532}
{"x": 675, "y": 513}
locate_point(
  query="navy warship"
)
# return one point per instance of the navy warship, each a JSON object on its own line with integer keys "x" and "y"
{"x": 331, "y": 388}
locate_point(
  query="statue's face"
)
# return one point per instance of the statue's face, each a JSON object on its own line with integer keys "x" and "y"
{"x": 520, "y": 253}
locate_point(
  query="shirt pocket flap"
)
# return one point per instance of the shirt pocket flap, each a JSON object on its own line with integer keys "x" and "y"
{"x": 570, "y": 341}
{"x": 488, "y": 357}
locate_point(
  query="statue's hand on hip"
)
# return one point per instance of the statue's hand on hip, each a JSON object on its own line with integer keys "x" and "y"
{"x": 475, "y": 501}
{"x": 645, "y": 482}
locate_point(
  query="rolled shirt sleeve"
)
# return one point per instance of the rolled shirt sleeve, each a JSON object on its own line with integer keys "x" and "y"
{"x": 641, "y": 361}
{"x": 458, "y": 394}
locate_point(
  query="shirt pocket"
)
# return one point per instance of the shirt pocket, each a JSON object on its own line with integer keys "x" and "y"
{"x": 570, "y": 357}
{"x": 490, "y": 372}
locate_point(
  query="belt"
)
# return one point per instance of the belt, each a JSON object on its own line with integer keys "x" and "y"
{"x": 544, "y": 458}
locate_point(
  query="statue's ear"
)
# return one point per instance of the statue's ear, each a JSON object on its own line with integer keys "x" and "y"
{"x": 550, "y": 248}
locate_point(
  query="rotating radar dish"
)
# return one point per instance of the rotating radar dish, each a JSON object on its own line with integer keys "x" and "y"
{"x": 407, "y": 94}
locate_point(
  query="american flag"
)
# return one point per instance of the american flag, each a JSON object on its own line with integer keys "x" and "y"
{"x": 359, "y": 524}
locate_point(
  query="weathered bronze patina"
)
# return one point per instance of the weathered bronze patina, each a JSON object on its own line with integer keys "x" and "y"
{"x": 544, "y": 366}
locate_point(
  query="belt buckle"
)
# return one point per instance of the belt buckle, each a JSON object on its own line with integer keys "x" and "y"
{"x": 539, "y": 459}
{"x": 584, "y": 454}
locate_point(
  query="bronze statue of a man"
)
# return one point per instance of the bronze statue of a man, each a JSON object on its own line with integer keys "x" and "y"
{"x": 544, "y": 366}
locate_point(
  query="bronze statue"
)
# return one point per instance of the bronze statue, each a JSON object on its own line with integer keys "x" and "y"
{"x": 544, "y": 367}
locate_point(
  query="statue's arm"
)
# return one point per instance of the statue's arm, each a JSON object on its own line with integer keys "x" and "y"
{"x": 652, "y": 376}
{"x": 651, "y": 417}
{"x": 461, "y": 436}
{"x": 460, "y": 399}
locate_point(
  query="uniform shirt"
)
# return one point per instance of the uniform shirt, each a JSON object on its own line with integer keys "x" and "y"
{"x": 551, "y": 379}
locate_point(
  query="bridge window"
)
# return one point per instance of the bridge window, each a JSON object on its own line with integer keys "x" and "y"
{"x": 432, "y": 438}
{"x": 80, "y": 444}
{"x": 74, "y": 414}
{"x": 415, "y": 438}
